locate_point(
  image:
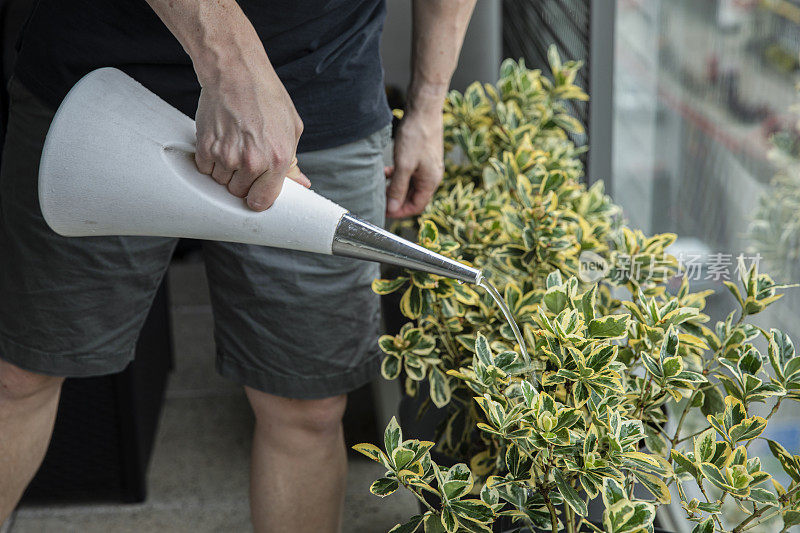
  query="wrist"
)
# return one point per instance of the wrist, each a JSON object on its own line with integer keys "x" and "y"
{"x": 218, "y": 37}
{"x": 426, "y": 97}
{"x": 214, "y": 63}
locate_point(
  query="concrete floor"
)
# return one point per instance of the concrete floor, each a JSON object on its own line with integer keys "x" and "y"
{"x": 198, "y": 477}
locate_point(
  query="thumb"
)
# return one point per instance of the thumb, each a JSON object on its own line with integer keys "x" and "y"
{"x": 265, "y": 190}
{"x": 295, "y": 174}
{"x": 398, "y": 188}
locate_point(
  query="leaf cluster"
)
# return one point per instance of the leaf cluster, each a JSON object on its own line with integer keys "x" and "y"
{"x": 533, "y": 440}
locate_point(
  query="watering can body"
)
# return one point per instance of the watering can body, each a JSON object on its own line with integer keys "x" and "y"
{"x": 118, "y": 160}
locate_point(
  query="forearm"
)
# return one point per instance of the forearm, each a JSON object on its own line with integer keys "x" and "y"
{"x": 439, "y": 28}
{"x": 217, "y": 36}
{"x": 247, "y": 125}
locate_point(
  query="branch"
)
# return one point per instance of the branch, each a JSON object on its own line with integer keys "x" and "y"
{"x": 569, "y": 518}
{"x": 756, "y": 513}
{"x": 445, "y": 335}
{"x": 553, "y": 515}
{"x": 774, "y": 408}
{"x": 696, "y": 433}
{"x": 674, "y": 439}
{"x": 708, "y": 500}
{"x": 419, "y": 496}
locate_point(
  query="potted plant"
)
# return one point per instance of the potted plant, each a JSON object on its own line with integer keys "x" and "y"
{"x": 584, "y": 417}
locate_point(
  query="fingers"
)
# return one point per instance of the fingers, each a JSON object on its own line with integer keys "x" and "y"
{"x": 265, "y": 190}
{"x": 221, "y": 175}
{"x": 214, "y": 160}
{"x": 420, "y": 188}
{"x": 247, "y": 134}
{"x": 294, "y": 174}
{"x": 413, "y": 181}
{"x": 398, "y": 189}
{"x": 245, "y": 176}
{"x": 259, "y": 187}
{"x": 420, "y": 197}
{"x": 248, "y": 173}
{"x": 268, "y": 186}
{"x": 204, "y": 161}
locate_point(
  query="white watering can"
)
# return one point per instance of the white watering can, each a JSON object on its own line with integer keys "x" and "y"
{"x": 118, "y": 160}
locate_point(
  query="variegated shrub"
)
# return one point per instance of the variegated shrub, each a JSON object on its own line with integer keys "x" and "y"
{"x": 586, "y": 417}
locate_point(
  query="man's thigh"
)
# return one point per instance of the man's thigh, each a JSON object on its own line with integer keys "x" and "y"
{"x": 297, "y": 324}
{"x": 68, "y": 306}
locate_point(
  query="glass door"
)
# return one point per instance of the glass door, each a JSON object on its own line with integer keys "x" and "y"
{"x": 705, "y": 144}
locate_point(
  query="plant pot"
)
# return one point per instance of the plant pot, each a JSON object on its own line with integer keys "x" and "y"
{"x": 414, "y": 427}
{"x": 393, "y": 319}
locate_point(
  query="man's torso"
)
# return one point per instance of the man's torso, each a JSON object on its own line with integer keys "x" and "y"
{"x": 325, "y": 52}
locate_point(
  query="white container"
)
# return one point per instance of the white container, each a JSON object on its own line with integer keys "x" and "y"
{"x": 118, "y": 160}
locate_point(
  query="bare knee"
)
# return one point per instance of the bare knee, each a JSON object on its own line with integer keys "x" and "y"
{"x": 17, "y": 384}
{"x": 322, "y": 416}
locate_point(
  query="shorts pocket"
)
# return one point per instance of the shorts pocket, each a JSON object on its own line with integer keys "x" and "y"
{"x": 385, "y": 136}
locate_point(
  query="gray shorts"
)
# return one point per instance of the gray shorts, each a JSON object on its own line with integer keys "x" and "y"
{"x": 294, "y": 324}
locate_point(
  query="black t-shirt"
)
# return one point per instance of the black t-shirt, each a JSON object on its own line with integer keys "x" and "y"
{"x": 326, "y": 52}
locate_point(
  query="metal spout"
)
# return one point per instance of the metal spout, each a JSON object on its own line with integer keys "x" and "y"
{"x": 361, "y": 240}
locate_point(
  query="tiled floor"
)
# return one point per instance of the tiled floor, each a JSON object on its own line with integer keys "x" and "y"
{"x": 198, "y": 476}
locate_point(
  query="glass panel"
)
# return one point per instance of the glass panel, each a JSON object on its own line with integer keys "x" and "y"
{"x": 704, "y": 91}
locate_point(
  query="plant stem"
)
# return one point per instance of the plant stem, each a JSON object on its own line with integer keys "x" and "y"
{"x": 445, "y": 334}
{"x": 708, "y": 500}
{"x": 645, "y": 391}
{"x": 424, "y": 501}
{"x": 674, "y": 440}
{"x": 789, "y": 494}
{"x": 569, "y": 517}
{"x": 706, "y": 371}
{"x": 762, "y": 519}
{"x": 696, "y": 433}
{"x": 419, "y": 496}
{"x": 528, "y": 454}
{"x": 662, "y": 431}
{"x": 741, "y": 527}
{"x": 756, "y": 513}
{"x": 544, "y": 489}
{"x": 774, "y": 408}
{"x": 685, "y": 412}
{"x": 552, "y": 509}
{"x": 550, "y": 461}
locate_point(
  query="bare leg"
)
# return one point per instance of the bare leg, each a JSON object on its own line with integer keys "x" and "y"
{"x": 299, "y": 465}
{"x": 28, "y": 404}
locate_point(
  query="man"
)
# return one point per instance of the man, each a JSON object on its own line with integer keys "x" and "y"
{"x": 266, "y": 80}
